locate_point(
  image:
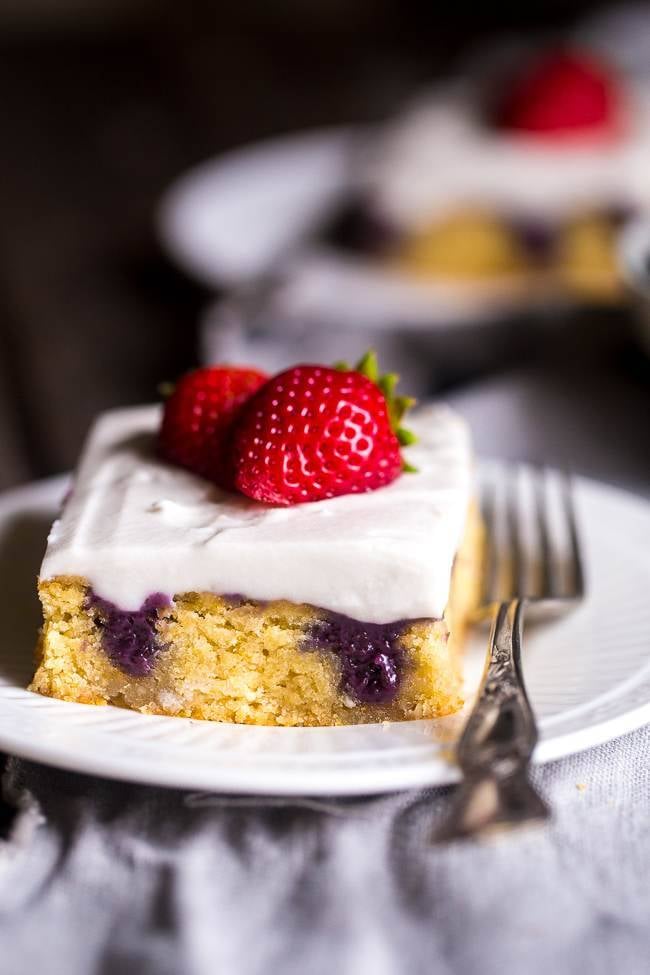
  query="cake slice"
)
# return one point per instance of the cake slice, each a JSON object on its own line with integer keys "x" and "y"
{"x": 165, "y": 594}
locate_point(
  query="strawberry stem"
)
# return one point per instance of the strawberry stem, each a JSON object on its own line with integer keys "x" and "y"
{"x": 405, "y": 437}
{"x": 387, "y": 384}
{"x": 165, "y": 389}
{"x": 397, "y": 406}
{"x": 368, "y": 366}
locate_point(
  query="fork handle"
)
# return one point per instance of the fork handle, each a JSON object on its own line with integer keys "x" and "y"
{"x": 498, "y": 740}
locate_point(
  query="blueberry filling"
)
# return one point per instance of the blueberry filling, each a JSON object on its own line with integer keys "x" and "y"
{"x": 357, "y": 226}
{"x": 536, "y": 237}
{"x": 129, "y": 637}
{"x": 370, "y": 654}
{"x": 234, "y": 599}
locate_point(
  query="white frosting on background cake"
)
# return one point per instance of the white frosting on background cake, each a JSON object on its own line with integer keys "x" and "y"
{"x": 439, "y": 155}
{"x": 134, "y": 525}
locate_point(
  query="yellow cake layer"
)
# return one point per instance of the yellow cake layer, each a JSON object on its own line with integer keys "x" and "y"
{"x": 245, "y": 662}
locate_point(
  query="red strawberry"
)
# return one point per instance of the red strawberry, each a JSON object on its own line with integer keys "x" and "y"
{"x": 315, "y": 432}
{"x": 563, "y": 93}
{"x": 198, "y": 417}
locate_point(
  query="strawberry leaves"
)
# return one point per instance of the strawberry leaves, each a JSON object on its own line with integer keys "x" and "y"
{"x": 397, "y": 405}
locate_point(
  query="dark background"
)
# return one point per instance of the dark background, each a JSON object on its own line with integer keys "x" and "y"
{"x": 103, "y": 103}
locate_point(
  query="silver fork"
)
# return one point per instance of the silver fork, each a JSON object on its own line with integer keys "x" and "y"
{"x": 497, "y": 743}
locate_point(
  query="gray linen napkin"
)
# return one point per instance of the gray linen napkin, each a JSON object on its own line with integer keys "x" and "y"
{"x": 106, "y": 877}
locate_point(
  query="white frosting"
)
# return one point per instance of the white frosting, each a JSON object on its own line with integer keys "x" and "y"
{"x": 134, "y": 525}
{"x": 439, "y": 155}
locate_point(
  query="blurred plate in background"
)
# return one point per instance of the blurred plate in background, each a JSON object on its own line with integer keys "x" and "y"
{"x": 226, "y": 220}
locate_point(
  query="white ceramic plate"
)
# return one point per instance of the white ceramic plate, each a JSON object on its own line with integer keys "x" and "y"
{"x": 588, "y": 676}
{"x": 224, "y": 220}
{"x": 227, "y": 220}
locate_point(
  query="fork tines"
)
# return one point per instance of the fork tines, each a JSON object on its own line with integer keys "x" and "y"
{"x": 533, "y": 549}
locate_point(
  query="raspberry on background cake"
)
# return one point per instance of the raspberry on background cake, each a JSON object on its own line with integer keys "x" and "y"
{"x": 165, "y": 593}
{"x": 563, "y": 94}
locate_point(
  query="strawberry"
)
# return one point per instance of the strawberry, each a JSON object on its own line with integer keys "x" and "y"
{"x": 564, "y": 93}
{"x": 315, "y": 432}
{"x": 198, "y": 416}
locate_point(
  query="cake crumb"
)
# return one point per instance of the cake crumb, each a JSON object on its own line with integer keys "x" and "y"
{"x": 581, "y": 786}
